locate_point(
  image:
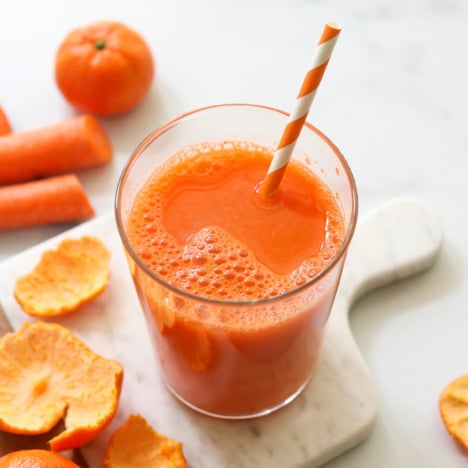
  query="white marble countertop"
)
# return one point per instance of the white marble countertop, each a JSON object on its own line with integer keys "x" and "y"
{"x": 394, "y": 100}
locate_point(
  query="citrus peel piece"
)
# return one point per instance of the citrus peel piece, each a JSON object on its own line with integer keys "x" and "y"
{"x": 136, "y": 444}
{"x": 453, "y": 407}
{"x": 65, "y": 278}
{"x": 48, "y": 375}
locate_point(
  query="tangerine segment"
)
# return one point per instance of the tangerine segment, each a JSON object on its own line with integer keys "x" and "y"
{"x": 46, "y": 375}
{"x": 453, "y": 406}
{"x": 65, "y": 278}
{"x": 35, "y": 458}
{"x": 137, "y": 444}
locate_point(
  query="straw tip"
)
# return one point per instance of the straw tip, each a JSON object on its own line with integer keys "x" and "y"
{"x": 334, "y": 26}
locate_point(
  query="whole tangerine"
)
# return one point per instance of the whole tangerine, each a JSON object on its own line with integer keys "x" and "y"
{"x": 104, "y": 68}
{"x": 35, "y": 458}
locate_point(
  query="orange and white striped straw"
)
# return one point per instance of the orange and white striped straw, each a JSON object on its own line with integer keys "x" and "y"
{"x": 301, "y": 109}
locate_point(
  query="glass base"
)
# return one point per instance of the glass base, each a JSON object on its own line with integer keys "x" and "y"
{"x": 241, "y": 416}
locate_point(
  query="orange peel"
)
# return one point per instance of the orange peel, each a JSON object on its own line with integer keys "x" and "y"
{"x": 453, "y": 407}
{"x": 48, "y": 375}
{"x": 65, "y": 278}
{"x": 136, "y": 444}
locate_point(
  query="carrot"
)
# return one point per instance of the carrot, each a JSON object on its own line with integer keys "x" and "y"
{"x": 51, "y": 200}
{"x": 75, "y": 143}
{"x": 5, "y": 126}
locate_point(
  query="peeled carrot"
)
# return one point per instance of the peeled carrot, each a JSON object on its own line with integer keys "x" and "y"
{"x": 5, "y": 126}
{"x": 50, "y": 200}
{"x": 75, "y": 143}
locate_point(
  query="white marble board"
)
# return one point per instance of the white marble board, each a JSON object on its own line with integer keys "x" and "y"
{"x": 335, "y": 412}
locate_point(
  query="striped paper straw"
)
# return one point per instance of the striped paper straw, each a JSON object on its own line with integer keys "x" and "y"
{"x": 299, "y": 114}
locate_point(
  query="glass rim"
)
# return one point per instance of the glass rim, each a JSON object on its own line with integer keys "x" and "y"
{"x": 208, "y": 300}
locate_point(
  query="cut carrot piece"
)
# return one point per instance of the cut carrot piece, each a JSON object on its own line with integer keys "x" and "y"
{"x": 73, "y": 144}
{"x": 56, "y": 199}
{"x": 46, "y": 375}
{"x": 137, "y": 444}
{"x": 5, "y": 127}
{"x": 65, "y": 278}
{"x": 453, "y": 407}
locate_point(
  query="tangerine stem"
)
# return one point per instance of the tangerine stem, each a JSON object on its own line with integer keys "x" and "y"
{"x": 100, "y": 44}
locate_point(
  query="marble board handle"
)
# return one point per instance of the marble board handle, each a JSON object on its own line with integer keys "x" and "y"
{"x": 398, "y": 239}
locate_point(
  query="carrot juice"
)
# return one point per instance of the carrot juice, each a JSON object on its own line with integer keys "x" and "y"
{"x": 236, "y": 289}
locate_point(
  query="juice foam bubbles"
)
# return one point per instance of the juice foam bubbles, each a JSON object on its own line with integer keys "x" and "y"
{"x": 199, "y": 225}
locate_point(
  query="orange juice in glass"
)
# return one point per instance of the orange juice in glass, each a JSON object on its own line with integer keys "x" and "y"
{"x": 236, "y": 289}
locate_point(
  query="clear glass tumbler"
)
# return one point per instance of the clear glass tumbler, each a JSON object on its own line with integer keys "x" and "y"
{"x": 228, "y": 371}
